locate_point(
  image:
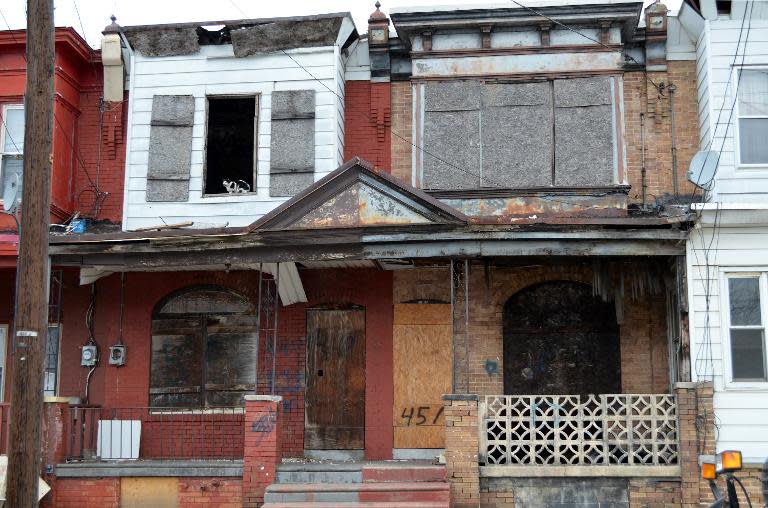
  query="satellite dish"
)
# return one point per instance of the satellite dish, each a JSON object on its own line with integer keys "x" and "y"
{"x": 701, "y": 172}
{"x": 12, "y": 193}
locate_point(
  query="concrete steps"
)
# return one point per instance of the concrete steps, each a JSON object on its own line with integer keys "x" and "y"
{"x": 348, "y": 485}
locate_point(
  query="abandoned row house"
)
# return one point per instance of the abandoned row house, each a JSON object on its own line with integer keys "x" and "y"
{"x": 439, "y": 262}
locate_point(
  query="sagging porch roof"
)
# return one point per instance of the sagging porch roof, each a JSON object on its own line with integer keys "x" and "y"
{"x": 359, "y": 212}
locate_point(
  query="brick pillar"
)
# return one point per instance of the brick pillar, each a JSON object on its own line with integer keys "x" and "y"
{"x": 55, "y": 425}
{"x": 697, "y": 437}
{"x": 261, "y": 450}
{"x": 461, "y": 449}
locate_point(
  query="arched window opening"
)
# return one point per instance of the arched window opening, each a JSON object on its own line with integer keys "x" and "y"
{"x": 204, "y": 349}
{"x": 559, "y": 338}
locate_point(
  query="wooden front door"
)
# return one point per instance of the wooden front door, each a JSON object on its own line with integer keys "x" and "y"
{"x": 335, "y": 379}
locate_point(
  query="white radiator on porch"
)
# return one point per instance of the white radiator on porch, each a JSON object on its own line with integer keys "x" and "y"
{"x": 118, "y": 439}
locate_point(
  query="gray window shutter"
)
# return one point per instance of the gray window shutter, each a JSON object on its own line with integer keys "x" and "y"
{"x": 584, "y": 132}
{"x": 292, "y": 152}
{"x": 170, "y": 147}
{"x": 517, "y": 134}
{"x": 452, "y": 133}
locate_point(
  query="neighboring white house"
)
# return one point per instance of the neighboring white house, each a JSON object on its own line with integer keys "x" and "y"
{"x": 727, "y": 253}
{"x": 198, "y": 89}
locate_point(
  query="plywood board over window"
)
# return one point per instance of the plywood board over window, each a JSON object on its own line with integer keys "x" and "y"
{"x": 422, "y": 373}
{"x": 545, "y": 133}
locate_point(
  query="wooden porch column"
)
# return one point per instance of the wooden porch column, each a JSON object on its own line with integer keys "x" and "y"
{"x": 461, "y": 449}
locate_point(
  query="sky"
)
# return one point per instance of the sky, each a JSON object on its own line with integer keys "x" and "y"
{"x": 94, "y": 14}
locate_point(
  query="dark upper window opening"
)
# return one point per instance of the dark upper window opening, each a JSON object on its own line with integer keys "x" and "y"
{"x": 231, "y": 145}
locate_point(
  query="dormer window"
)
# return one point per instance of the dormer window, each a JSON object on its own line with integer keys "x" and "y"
{"x": 230, "y": 148}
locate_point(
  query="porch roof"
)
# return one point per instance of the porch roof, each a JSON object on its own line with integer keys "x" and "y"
{"x": 359, "y": 212}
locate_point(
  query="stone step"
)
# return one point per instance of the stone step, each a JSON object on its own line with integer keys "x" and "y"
{"x": 319, "y": 476}
{"x": 397, "y": 473}
{"x": 358, "y": 505}
{"x": 379, "y": 492}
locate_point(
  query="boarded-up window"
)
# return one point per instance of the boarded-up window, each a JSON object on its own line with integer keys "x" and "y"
{"x": 520, "y": 135}
{"x": 204, "y": 349}
{"x": 293, "y": 142}
{"x": 170, "y": 147}
{"x": 230, "y": 146}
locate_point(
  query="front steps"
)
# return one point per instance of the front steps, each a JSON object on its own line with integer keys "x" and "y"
{"x": 396, "y": 484}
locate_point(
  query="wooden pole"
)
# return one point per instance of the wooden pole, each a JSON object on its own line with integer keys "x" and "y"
{"x": 31, "y": 320}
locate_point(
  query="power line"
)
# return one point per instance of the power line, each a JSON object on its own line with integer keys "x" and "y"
{"x": 706, "y": 345}
{"x": 725, "y": 95}
{"x": 596, "y": 41}
{"x": 100, "y": 196}
{"x": 391, "y": 130}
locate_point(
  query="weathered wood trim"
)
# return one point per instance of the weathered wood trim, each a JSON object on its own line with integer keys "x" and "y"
{"x": 520, "y": 50}
{"x": 523, "y": 76}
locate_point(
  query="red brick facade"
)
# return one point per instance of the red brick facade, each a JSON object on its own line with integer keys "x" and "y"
{"x": 367, "y": 122}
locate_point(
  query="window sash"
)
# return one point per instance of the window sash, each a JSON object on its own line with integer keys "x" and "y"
{"x": 761, "y": 327}
{"x": 12, "y": 135}
{"x": 752, "y": 83}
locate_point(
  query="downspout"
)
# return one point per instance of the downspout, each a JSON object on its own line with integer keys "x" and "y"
{"x": 671, "y": 88}
{"x": 644, "y": 183}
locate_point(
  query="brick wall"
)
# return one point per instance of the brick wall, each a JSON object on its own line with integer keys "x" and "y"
{"x": 367, "y": 122}
{"x": 461, "y": 447}
{"x": 214, "y": 492}
{"x": 402, "y": 121}
{"x": 128, "y": 386}
{"x": 86, "y": 493}
{"x": 262, "y": 446}
{"x": 194, "y": 492}
{"x": 100, "y": 172}
{"x": 640, "y": 96}
{"x": 642, "y": 335}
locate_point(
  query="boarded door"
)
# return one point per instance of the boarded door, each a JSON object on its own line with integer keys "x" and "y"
{"x": 335, "y": 393}
{"x": 422, "y": 359}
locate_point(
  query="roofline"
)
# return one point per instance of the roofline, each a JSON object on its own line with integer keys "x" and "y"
{"x": 63, "y": 35}
{"x": 234, "y": 22}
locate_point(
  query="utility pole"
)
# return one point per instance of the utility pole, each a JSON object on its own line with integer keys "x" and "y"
{"x": 31, "y": 320}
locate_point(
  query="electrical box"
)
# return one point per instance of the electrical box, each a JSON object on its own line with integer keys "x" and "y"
{"x": 117, "y": 355}
{"x": 89, "y": 355}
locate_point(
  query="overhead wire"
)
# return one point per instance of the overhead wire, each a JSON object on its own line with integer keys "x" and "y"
{"x": 421, "y": 149}
{"x": 705, "y": 353}
{"x": 725, "y": 95}
{"x": 627, "y": 56}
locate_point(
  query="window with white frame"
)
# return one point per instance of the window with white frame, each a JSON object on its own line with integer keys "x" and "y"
{"x": 746, "y": 326}
{"x": 753, "y": 116}
{"x": 11, "y": 145}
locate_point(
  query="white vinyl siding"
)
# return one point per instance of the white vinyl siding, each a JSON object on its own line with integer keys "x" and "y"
{"x": 717, "y": 81}
{"x": 741, "y": 407}
{"x": 215, "y": 71}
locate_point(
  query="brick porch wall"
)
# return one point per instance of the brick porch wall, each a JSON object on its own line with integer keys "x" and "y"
{"x": 642, "y": 335}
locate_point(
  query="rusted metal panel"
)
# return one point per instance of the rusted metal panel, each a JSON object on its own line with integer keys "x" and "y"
{"x": 503, "y": 209}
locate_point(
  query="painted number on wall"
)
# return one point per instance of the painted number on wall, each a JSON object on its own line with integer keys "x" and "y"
{"x": 421, "y": 415}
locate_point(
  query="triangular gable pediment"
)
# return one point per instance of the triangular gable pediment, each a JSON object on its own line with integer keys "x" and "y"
{"x": 356, "y": 195}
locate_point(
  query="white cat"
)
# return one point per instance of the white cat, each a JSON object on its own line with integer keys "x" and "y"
{"x": 236, "y": 187}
